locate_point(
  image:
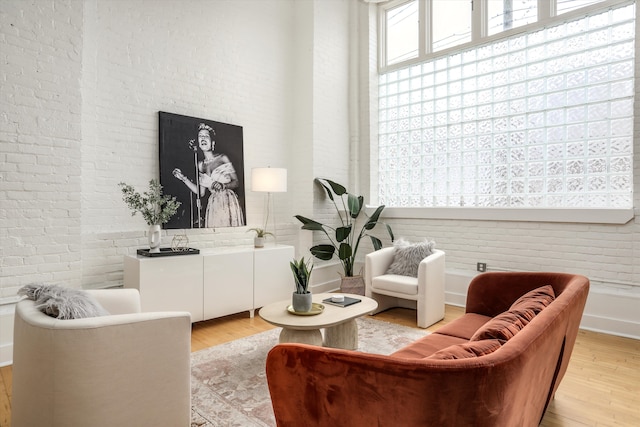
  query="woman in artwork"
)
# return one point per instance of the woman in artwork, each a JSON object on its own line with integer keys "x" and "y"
{"x": 216, "y": 174}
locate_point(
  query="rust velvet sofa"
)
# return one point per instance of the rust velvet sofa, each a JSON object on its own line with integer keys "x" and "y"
{"x": 466, "y": 373}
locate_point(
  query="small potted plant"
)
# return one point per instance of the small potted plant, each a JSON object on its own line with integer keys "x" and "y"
{"x": 155, "y": 208}
{"x": 302, "y": 297}
{"x": 261, "y": 235}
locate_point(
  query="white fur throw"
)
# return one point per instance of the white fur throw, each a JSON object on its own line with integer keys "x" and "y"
{"x": 407, "y": 256}
{"x": 63, "y": 303}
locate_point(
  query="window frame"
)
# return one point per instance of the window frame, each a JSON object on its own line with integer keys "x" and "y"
{"x": 479, "y": 20}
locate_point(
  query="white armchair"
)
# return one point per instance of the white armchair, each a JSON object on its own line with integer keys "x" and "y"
{"x": 424, "y": 293}
{"x": 125, "y": 369}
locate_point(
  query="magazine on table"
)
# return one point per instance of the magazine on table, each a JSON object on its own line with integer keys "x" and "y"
{"x": 347, "y": 301}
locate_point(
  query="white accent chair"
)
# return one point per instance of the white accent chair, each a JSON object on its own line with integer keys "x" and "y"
{"x": 125, "y": 369}
{"x": 424, "y": 293}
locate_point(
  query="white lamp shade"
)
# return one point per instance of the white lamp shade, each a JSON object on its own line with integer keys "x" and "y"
{"x": 269, "y": 180}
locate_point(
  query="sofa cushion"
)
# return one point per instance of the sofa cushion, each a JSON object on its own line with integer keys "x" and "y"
{"x": 536, "y": 299}
{"x": 464, "y": 326}
{"x": 426, "y": 346}
{"x": 502, "y": 327}
{"x": 395, "y": 283}
{"x": 407, "y": 257}
{"x": 467, "y": 350}
{"x": 63, "y": 303}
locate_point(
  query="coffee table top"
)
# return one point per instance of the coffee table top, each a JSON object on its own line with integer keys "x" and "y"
{"x": 277, "y": 314}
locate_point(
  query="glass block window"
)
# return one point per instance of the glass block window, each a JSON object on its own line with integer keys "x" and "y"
{"x": 540, "y": 119}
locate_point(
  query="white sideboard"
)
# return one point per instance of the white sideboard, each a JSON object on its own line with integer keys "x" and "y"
{"x": 214, "y": 283}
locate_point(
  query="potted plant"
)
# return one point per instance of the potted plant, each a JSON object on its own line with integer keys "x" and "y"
{"x": 344, "y": 241}
{"x": 155, "y": 208}
{"x": 302, "y": 297}
{"x": 261, "y": 235}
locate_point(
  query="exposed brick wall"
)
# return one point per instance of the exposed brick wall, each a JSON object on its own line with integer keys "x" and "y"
{"x": 40, "y": 140}
{"x": 83, "y": 84}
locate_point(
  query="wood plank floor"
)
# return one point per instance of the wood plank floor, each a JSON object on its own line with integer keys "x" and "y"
{"x": 601, "y": 386}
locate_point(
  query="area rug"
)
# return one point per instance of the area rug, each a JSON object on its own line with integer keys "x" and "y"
{"x": 228, "y": 381}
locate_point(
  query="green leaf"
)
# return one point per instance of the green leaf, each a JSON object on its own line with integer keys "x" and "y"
{"x": 354, "y": 204}
{"x": 309, "y": 224}
{"x": 377, "y": 244}
{"x": 337, "y": 188}
{"x": 343, "y": 233}
{"x": 390, "y": 232}
{"x": 345, "y": 251}
{"x": 373, "y": 219}
{"x": 326, "y": 189}
{"x": 323, "y": 252}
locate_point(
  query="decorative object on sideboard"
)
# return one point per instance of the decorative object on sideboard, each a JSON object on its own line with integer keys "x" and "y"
{"x": 180, "y": 242}
{"x": 345, "y": 239}
{"x": 269, "y": 180}
{"x": 261, "y": 236}
{"x": 302, "y": 297}
{"x": 155, "y": 208}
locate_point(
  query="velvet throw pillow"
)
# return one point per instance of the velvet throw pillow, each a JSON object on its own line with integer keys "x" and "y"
{"x": 407, "y": 257}
{"x": 535, "y": 300}
{"x": 503, "y": 327}
{"x": 63, "y": 303}
{"x": 467, "y": 350}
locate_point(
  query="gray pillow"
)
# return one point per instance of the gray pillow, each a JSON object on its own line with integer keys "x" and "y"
{"x": 407, "y": 257}
{"x": 63, "y": 303}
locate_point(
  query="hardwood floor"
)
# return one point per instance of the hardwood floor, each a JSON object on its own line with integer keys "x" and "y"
{"x": 601, "y": 386}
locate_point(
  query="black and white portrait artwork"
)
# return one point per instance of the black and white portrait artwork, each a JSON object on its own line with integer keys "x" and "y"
{"x": 202, "y": 165}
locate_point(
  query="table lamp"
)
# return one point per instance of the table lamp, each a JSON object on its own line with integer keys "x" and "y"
{"x": 269, "y": 180}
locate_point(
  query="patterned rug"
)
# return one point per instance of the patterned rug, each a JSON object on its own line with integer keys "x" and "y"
{"x": 229, "y": 385}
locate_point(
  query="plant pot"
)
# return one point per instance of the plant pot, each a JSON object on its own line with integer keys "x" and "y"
{"x": 155, "y": 238}
{"x": 352, "y": 285}
{"x": 258, "y": 242}
{"x": 301, "y": 302}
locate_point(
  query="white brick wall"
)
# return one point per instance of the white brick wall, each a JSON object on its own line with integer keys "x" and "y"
{"x": 80, "y": 95}
{"x": 40, "y": 142}
{"x": 224, "y": 61}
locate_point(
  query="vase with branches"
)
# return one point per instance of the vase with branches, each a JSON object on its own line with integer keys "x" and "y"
{"x": 155, "y": 208}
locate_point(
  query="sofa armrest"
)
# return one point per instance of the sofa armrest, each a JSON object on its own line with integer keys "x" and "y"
{"x": 377, "y": 263}
{"x": 431, "y": 270}
{"x": 332, "y": 387}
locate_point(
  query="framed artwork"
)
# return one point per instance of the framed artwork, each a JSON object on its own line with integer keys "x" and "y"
{"x": 202, "y": 165}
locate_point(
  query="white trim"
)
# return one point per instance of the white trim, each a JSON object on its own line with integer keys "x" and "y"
{"x": 594, "y": 216}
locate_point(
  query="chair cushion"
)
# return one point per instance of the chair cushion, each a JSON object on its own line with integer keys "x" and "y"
{"x": 395, "y": 283}
{"x": 63, "y": 303}
{"x": 407, "y": 257}
{"x": 467, "y": 350}
{"x": 426, "y": 346}
{"x": 464, "y": 326}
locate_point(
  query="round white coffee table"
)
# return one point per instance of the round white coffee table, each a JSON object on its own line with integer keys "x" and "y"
{"x": 339, "y": 324}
